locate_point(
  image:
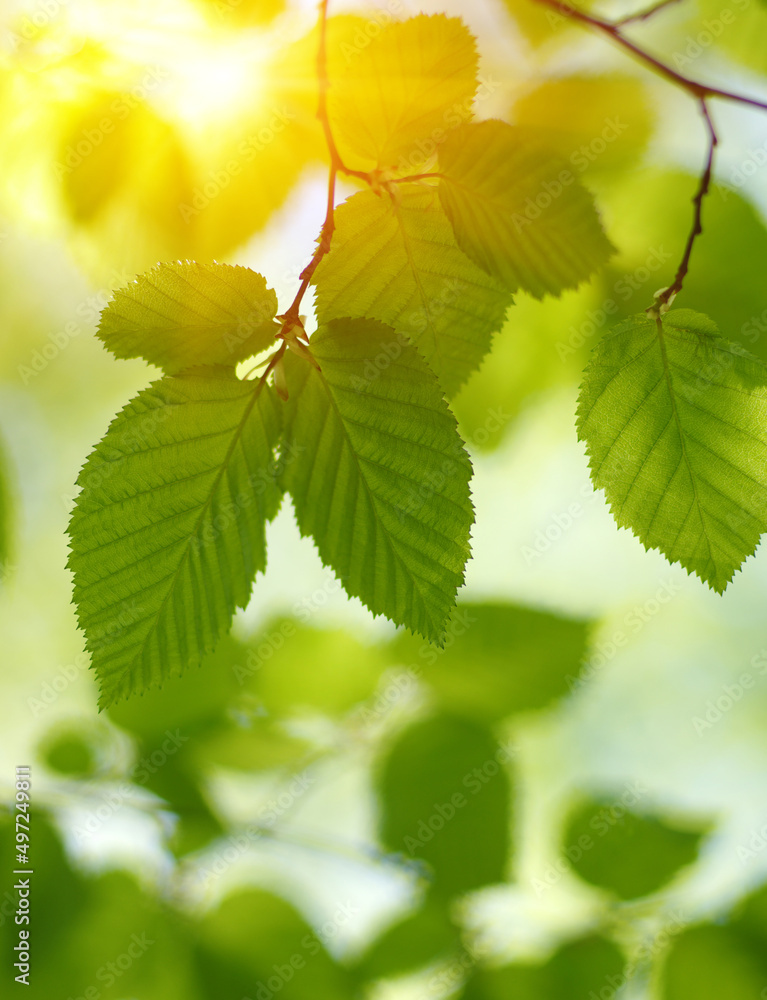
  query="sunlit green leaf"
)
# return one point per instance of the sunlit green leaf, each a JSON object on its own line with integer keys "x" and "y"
{"x": 518, "y": 211}
{"x": 185, "y": 314}
{"x": 402, "y": 90}
{"x": 168, "y": 532}
{"x": 383, "y": 481}
{"x": 674, "y": 422}
{"x": 396, "y": 260}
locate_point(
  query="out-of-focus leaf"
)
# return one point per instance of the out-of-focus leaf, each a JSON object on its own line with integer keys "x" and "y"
{"x": 595, "y": 123}
{"x": 262, "y": 746}
{"x": 538, "y": 23}
{"x": 630, "y": 854}
{"x": 713, "y": 962}
{"x": 257, "y": 944}
{"x": 177, "y": 780}
{"x": 589, "y": 967}
{"x": 739, "y": 29}
{"x": 405, "y": 86}
{"x": 192, "y": 704}
{"x": 291, "y": 666}
{"x": 115, "y": 940}
{"x": 5, "y": 516}
{"x": 69, "y": 753}
{"x": 518, "y": 211}
{"x": 650, "y": 218}
{"x": 445, "y": 799}
{"x": 729, "y": 959}
{"x": 95, "y": 156}
{"x": 418, "y": 940}
{"x": 499, "y": 659}
{"x": 541, "y": 345}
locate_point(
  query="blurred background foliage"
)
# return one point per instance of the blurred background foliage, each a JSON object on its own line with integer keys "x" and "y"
{"x": 570, "y": 800}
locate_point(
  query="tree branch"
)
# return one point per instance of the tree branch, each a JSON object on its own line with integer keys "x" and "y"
{"x": 665, "y": 299}
{"x": 613, "y": 31}
{"x": 646, "y": 14}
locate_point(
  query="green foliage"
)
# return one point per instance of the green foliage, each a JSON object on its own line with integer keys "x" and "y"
{"x": 721, "y": 960}
{"x": 598, "y": 124}
{"x": 395, "y": 259}
{"x": 182, "y": 315}
{"x": 444, "y": 791}
{"x": 152, "y": 539}
{"x": 5, "y": 516}
{"x": 383, "y": 484}
{"x": 518, "y": 211}
{"x": 428, "y": 67}
{"x": 590, "y": 966}
{"x": 298, "y": 668}
{"x": 649, "y": 218}
{"x": 628, "y": 853}
{"x": 70, "y": 754}
{"x": 673, "y": 417}
{"x": 253, "y": 935}
{"x": 500, "y": 659}
{"x": 420, "y": 939}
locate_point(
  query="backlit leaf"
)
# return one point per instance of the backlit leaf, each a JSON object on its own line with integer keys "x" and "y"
{"x": 407, "y": 86}
{"x": 384, "y": 484}
{"x": 168, "y": 531}
{"x": 182, "y": 315}
{"x": 674, "y": 423}
{"x": 396, "y": 260}
{"x": 518, "y": 211}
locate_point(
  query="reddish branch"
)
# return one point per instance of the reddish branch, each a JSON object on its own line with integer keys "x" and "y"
{"x": 700, "y": 91}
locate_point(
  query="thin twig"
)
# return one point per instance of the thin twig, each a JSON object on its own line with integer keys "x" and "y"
{"x": 646, "y": 14}
{"x": 613, "y": 31}
{"x": 666, "y": 297}
{"x": 700, "y": 91}
{"x": 291, "y": 319}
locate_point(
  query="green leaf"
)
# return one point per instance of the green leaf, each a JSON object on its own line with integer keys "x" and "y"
{"x": 445, "y": 798}
{"x": 724, "y": 960}
{"x": 499, "y": 659}
{"x": 5, "y": 517}
{"x": 254, "y": 940}
{"x": 518, "y": 211}
{"x": 183, "y": 315}
{"x": 589, "y": 967}
{"x": 712, "y": 962}
{"x": 726, "y": 281}
{"x": 595, "y": 123}
{"x": 402, "y": 91}
{"x": 168, "y": 531}
{"x": 291, "y": 667}
{"x": 629, "y": 854}
{"x": 384, "y": 487}
{"x": 395, "y": 259}
{"x": 420, "y": 939}
{"x": 675, "y": 422}
{"x": 195, "y": 703}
